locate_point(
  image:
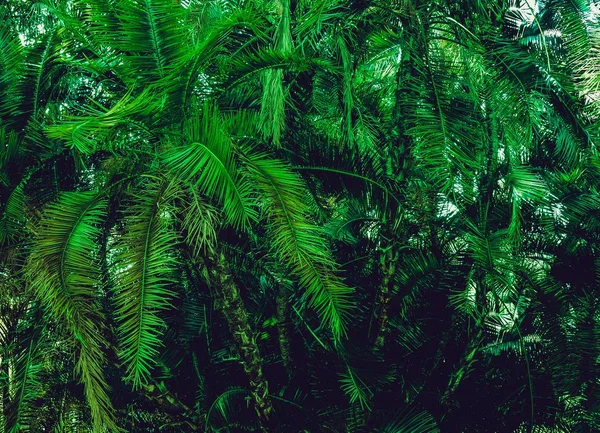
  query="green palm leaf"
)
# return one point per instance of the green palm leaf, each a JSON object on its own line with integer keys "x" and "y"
{"x": 143, "y": 271}
{"x": 355, "y": 388}
{"x": 64, "y": 275}
{"x": 12, "y": 219}
{"x": 273, "y": 102}
{"x": 300, "y": 243}
{"x": 412, "y": 421}
{"x": 11, "y": 69}
{"x": 200, "y": 222}
{"x": 28, "y": 386}
{"x": 151, "y": 34}
{"x": 209, "y": 163}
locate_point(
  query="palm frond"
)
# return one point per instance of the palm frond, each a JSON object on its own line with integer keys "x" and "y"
{"x": 299, "y": 243}
{"x": 227, "y": 410}
{"x": 11, "y": 70}
{"x": 411, "y": 421}
{"x": 12, "y": 221}
{"x": 355, "y": 388}
{"x": 151, "y": 35}
{"x": 28, "y": 385}
{"x": 200, "y": 223}
{"x": 84, "y": 133}
{"x": 41, "y": 68}
{"x": 209, "y": 163}
{"x": 143, "y": 271}
{"x": 272, "y": 110}
{"x": 64, "y": 275}
{"x": 11, "y": 154}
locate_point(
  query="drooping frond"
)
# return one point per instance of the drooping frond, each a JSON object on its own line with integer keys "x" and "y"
{"x": 355, "y": 388}
{"x": 208, "y": 161}
{"x": 143, "y": 271}
{"x": 300, "y": 243}
{"x": 64, "y": 275}
{"x": 272, "y": 110}
{"x": 28, "y": 385}
{"x": 11, "y": 69}
{"x": 151, "y": 36}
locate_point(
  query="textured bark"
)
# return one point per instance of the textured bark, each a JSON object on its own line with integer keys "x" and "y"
{"x": 283, "y": 328}
{"x": 465, "y": 367}
{"x": 233, "y": 308}
{"x": 388, "y": 266}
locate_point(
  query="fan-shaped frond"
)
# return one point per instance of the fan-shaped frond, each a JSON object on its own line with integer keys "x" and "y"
{"x": 228, "y": 409}
{"x": 411, "y": 421}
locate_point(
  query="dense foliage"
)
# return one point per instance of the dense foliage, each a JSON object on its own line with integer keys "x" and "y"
{"x": 299, "y": 216}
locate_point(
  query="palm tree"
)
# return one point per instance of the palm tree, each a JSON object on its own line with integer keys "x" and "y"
{"x": 392, "y": 205}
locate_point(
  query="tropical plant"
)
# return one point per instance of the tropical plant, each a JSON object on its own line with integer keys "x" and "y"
{"x": 293, "y": 215}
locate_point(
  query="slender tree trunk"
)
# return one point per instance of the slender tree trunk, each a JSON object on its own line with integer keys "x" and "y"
{"x": 466, "y": 366}
{"x": 283, "y": 328}
{"x": 469, "y": 357}
{"x": 234, "y": 310}
{"x": 389, "y": 258}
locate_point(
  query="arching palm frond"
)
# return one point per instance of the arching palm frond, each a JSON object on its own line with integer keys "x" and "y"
{"x": 143, "y": 272}
{"x": 64, "y": 275}
{"x": 300, "y": 243}
{"x": 209, "y": 163}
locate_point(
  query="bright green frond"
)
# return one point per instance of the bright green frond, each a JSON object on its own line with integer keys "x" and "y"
{"x": 355, "y": 388}
{"x": 300, "y": 243}
{"x": 63, "y": 271}
{"x": 28, "y": 386}
{"x": 209, "y": 163}
{"x": 151, "y": 36}
{"x": 143, "y": 272}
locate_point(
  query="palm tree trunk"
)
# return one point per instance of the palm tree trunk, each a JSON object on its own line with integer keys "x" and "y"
{"x": 283, "y": 328}
{"x": 465, "y": 367}
{"x": 233, "y": 308}
{"x": 388, "y": 266}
